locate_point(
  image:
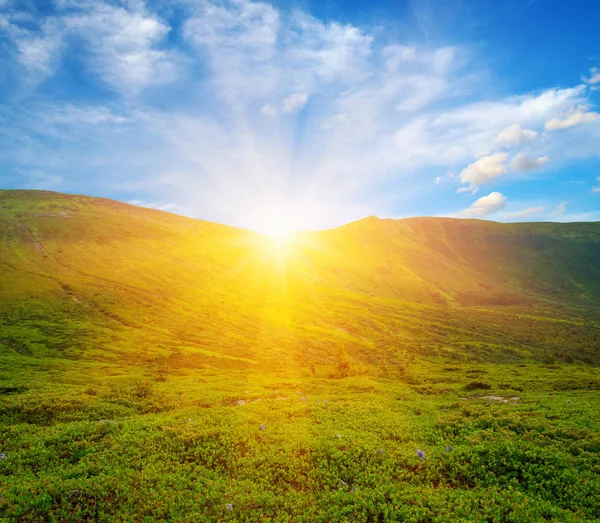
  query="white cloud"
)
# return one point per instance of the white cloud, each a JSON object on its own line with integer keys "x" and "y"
{"x": 594, "y": 77}
{"x": 235, "y": 26}
{"x": 593, "y": 216}
{"x": 522, "y": 162}
{"x": 238, "y": 41}
{"x": 154, "y": 205}
{"x": 483, "y": 170}
{"x": 40, "y": 53}
{"x": 37, "y": 49}
{"x": 119, "y": 44}
{"x": 560, "y": 208}
{"x": 597, "y": 188}
{"x": 576, "y": 118}
{"x": 336, "y": 120}
{"x": 485, "y": 206}
{"x": 380, "y": 112}
{"x": 514, "y": 134}
{"x": 253, "y": 53}
{"x": 268, "y": 110}
{"x": 69, "y": 114}
{"x": 122, "y": 46}
{"x": 294, "y": 102}
{"x": 527, "y": 212}
{"x": 418, "y": 75}
{"x": 328, "y": 52}
{"x": 555, "y": 214}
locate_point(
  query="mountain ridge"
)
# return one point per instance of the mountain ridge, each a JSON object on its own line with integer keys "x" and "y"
{"x": 43, "y": 193}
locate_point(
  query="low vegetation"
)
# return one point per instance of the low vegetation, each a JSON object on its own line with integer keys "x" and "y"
{"x": 132, "y": 447}
{"x": 156, "y": 368}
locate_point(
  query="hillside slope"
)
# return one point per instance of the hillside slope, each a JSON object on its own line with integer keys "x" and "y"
{"x": 471, "y": 262}
{"x": 84, "y": 277}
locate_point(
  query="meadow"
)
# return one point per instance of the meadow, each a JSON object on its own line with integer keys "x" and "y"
{"x": 499, "y": 442}
{"x": 156, "y": 368}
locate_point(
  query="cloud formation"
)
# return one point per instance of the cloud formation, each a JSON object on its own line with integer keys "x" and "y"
{"x": 485, "y": 206}
{"x": 72, "y": 114}
{"x": 514, "y": 135}
{"x": 522, "y": 162}
{"x": 594, "y": 77}
{"x": 123, "y": 47}
{"x": 560, "y": 208}
{"x": 528, "y": 212}
{"x": 268, "y": 110}
{"x": 227, "y": 106}
{"x": 483, "y": 170}
{"x": 576, "y": 118}
{"x": 170, "y": 207}
{"x": 294, "y": 102}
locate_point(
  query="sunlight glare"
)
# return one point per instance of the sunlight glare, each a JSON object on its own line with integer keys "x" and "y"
{"x": 275, "y": 222}
{"x": 279, "y": 231}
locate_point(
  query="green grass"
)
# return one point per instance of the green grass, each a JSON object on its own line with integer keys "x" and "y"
{"x": 131, "y": 447}
{"x": 128, "y": 337}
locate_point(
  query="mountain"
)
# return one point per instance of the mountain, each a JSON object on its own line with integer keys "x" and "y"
{"x": 94, "y": 279}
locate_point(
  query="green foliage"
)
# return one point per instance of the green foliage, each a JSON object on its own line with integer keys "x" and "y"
{"x": 156, "y": 368}
{"x": 340, "y": 450}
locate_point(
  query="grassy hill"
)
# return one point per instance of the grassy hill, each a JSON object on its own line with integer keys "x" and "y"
{"x": 474, "y": 262}
{"x": 89, "y": 276}
{"x": 155, "y": 367}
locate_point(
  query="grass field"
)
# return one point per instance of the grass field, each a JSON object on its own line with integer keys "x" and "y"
{"x": 156, "y": 368}
{"x": 103, "y": 443}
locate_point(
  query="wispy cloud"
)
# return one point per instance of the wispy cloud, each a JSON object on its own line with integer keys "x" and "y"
{"x": 172, "y": 207}
{"x": 121, "y": 44}
{"x": 527, "y": 212}
{"x": 94, "y": 115}
{"x": 268, "y": 110}
{"x": 548, "y": 213}
{"x": 37, "y": 52}
{"x": 560, "y": 208}
{"x": 578, "y": 117}
{"x": 593, "y": 78}
{"x": 294, "y": 102}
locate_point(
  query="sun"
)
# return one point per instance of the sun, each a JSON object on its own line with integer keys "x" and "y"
{"x": 279, "y": 231}
{"x": 276, "y": 223}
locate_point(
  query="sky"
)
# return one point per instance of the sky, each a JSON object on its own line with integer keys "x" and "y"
{"x": 306, "y": 114}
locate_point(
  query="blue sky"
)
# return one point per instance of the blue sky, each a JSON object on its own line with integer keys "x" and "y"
{"x": 308, "y": 114}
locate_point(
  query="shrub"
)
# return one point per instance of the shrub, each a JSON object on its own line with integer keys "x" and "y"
{"x": 475, "y": 385}
{"x": 343, "y": 365}
{"x": 142, "y": 388}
